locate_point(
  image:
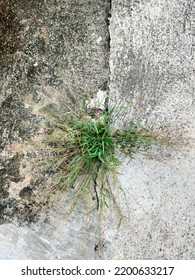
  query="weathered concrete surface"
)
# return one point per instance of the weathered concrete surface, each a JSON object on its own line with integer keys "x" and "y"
{"x": 58, "y": 44}
{"x": 152, "y": 66}
{"x": 58, "y": 236}
{"x": 49, "y": 51}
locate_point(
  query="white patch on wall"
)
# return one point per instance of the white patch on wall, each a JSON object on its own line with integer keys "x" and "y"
{"x": 98, "y": 102}
{"x": 99, "y": 39}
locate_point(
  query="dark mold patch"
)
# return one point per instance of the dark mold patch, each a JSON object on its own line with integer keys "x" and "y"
{"x": 9, "y": 27}
{"x": 25, "y": 193}
{"x": 16, "y": 122}
{"x": 27, "y": 207}
{"x": 3, "y": 193}
{"x": 9, "y": 170}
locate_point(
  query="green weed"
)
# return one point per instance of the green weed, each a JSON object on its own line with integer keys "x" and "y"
{"x": 84, "y": 151}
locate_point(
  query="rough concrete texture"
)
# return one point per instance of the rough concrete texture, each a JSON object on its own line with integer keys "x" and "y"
{"x": 58, "y": 236}
{"x": 47, "y": 48}
{"x": 49, "y": 51}
{"x": 152, "y": 67}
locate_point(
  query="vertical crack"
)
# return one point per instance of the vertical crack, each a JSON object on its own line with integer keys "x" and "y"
{"x": 109, "y": 15}
{"x": 108, "y": 22}
{"x": 99, "y": 242}
{"x": 95, "y": 188}
{"x": 106, "y": 104}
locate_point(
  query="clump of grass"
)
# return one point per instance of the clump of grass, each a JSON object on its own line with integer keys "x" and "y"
{"x": 83, "y": 151}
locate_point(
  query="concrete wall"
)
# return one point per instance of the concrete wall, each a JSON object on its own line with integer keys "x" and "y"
{"x": 152, "y": 70}
{"x": 145, "y": 54}
{"x": 49, "y": 51}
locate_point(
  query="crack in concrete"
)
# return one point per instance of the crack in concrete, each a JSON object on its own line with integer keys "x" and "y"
{"x": 109, "y": 15}
{"x": 95, "y": 188}
{"x": 106, "y": 106}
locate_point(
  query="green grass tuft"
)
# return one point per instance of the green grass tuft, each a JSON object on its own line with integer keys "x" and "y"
{"x": 83, "y": 151}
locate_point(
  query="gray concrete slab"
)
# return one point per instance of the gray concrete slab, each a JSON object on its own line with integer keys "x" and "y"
{"x": 57, "y": 237}
{"x": 49, "y": 51}
{"x": 152, "y": 68}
